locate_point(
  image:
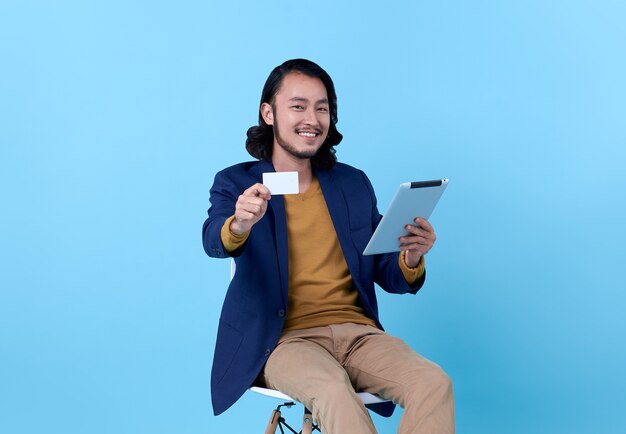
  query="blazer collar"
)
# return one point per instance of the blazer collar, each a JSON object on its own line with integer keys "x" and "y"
{"x": 263, "y": 167}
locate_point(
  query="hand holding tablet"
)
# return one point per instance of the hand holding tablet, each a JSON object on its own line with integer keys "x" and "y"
{"x": 413, "y": 199}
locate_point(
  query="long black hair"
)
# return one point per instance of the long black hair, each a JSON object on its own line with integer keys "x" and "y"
{"x": 261, "y": 137}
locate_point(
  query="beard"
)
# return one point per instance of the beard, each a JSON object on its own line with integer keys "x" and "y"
{"x": 306, "y": 153}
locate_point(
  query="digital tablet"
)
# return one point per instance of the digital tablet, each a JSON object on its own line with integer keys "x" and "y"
{"x": 413, "y": 199}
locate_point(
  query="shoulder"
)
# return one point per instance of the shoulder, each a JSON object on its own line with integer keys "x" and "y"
{"x": 237, "y": 178}
{"x": 247, "y": 172}
{"x": 345, "y": 171}
{"x": 353, "y": 182}
{"x": 350, "y": 176}
{"x": 239, "y": 168}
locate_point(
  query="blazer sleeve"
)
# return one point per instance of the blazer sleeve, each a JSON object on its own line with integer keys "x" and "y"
{"x": 387, "y": 272}
{"x": 223, "y": 197}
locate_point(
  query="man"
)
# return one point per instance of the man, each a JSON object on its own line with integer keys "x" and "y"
{"x": 300, "y": 314}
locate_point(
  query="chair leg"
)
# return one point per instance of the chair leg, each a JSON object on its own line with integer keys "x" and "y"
{"x": 273, "y": 423}
{"x": 308, "y": 426}
{"x": 278, "y": 422}
{"x": 307, "y": 423}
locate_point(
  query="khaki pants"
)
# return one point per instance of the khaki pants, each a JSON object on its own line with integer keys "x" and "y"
{"x": 323, "y": 366}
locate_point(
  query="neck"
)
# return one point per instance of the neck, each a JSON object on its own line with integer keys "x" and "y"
{"x": 288, "y": 163}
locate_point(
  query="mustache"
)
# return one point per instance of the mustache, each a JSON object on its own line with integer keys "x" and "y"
{"x": 309, "y": 130}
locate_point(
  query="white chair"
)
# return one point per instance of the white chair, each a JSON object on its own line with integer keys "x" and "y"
{"x": 308, "y": 425}
{"x": 276, "y": 420}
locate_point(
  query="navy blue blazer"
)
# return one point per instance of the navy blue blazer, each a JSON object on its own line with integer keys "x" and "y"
{"x": 254, "y": 308}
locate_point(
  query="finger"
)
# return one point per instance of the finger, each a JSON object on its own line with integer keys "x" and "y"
{"x": 253, "y": 190}
{"x": 258, "y": 190}
{"x": 252, "y": 200}
{"x": 415, "y": 240}
{"x": 264, "y": 191}
{"x": 250, "y": 208}
{"x": 253, "y": 208}
{"x": 416, "y": 249}
{"x": 423, "y": 241}
{"x": 418, "y": 230}
{"x": 424, "y": 224}
{"x": 249, "y": 203}
{"x": 415, "y": 231}
{"x": 413, "y": 251}
{"x": 244, "y": 216}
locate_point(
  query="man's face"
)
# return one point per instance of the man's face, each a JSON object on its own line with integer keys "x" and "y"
{"x": 300, "y": 116}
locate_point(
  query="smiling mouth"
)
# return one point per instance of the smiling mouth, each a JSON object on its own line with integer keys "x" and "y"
{"x": 308, "y": 133}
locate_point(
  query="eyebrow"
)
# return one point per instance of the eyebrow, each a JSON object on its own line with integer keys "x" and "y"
{"x": 300, "y": 99}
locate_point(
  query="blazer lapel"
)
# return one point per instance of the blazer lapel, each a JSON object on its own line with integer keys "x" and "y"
{"x": 276, "y": 210}
{"x": 338, "y": 210}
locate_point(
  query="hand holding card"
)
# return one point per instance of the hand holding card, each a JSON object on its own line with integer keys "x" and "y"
{"x": 250, "y": 208}
{"x": 281, "y": 182}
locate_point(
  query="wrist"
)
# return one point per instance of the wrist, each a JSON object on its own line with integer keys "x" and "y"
{"x": 236, "y": 228}
{"x": 410, "y": 261}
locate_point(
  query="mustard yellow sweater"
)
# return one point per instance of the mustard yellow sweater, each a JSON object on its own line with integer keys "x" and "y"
{"x": 320, "y": 285}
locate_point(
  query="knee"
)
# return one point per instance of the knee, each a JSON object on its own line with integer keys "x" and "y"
{"x": 439, "y": 384}
{"x": 433, "y": 383}
{"x": 441, "y": 381}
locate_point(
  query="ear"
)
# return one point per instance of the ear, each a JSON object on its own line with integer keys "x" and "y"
{"x": 267, "y": 113}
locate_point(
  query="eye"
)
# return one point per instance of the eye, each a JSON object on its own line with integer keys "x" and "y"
{"x": 323, "y": 109}
{"x": 297, "y": 107}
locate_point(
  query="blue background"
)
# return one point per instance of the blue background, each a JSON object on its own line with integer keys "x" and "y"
{"x": 115, "y": 116}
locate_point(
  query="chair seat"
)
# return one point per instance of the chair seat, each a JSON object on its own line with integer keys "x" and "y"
{"x": 367, "y": 398}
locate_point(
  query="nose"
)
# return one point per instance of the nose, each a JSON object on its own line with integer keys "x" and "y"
{"x": 310, "y": 117}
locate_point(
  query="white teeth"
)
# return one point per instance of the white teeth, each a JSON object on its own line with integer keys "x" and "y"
{"x": 307, "y": 134}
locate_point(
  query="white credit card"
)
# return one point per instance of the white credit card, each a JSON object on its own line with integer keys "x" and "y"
{"x": 281, "y": 182}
